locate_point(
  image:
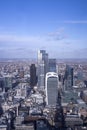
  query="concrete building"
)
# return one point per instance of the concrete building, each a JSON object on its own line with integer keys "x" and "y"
{"x": 24, "y": 127}
{"x": 84, "y": 95}
{"x": 3, "y": 127}
{"x": 73, "y": 120}
{"x": 21, "y": 91}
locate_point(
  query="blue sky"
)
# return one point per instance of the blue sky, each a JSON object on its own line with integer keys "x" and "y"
{"x": 59, "y": 26}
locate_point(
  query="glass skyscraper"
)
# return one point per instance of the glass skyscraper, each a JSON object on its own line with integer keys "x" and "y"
{"x": 51, "y": 88}
{"x": 42, "y": 68}
{"x": 68, "y": 77}
{"x": 33, "y": 77}
{"x": 52, "y": 65}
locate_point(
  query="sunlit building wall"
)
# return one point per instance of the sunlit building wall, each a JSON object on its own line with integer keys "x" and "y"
{"x": 42, "y": 68}
{"x": 51, "y": 88}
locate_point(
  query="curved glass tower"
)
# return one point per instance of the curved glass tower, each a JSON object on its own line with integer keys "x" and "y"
{"x": 51, "y": 87}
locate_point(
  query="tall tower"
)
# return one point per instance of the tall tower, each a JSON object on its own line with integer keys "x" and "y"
{"x": 51, "y": 88}
{"x": 68, "y": 77}
{"x": 2, "y": 86}
{"x": 8, "y": 82}
{"x": 33, "y": 77}
{"x": 52, "y": 65}
{"x": 42, "y": 68}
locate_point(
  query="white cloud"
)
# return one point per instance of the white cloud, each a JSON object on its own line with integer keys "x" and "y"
{"x": 56, "y": 43}
{"x": 58, "y": 34}
{"x": 14, "y": 38}
{"x": 76, "y": 21}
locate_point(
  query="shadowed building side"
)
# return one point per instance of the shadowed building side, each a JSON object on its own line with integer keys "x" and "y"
{"x": 33, "y": 77}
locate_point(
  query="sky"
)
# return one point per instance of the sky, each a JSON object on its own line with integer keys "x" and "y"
{"x": 57, "y": 26}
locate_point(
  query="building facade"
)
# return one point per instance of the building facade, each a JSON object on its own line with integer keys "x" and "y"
{"x": 42, "y": 68}
{"x": 68, "y": 78}
{"x": 33, "y": 76}
{"x": 51, "y": 87}
{"x": 52, "y": 65}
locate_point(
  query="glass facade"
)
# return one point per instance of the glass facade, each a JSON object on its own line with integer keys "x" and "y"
{"x": 52, "y": 90}
{"x": 52, "y": 65}
{"x": 42, "y": 68}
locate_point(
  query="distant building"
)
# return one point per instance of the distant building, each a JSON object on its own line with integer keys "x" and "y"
{"x": 84, "y": 96}
{"x": 51, "y": 88}
{"x": 33, "y": 77}
{"x": 42, "y": 68}
{"x": 21, "y": 91}
{"x": 2, "y": 86}
{"x": 37, "y": 98}
{"x": 3, "y": 127}
{"x": 80, "y": 75}
{"x": 68, "y": 77}
{"x": 21, "y": 72}
{"x": 73, "y": 120}
{"x": 24, "y": 127}
{"x": 20, "y": 126}
{"x": 52, "y": 65}
{"x": 81, "y": 104}
{"x": 41, "y": 125}
{"x": 7, "y": 82}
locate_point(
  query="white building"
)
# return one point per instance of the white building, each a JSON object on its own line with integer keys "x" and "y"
{"x": 51, "y": 87}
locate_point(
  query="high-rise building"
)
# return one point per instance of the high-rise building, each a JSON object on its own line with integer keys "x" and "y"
{"x": 33, "y": 77}
{"x": 2, "y": 86}
{"x": 52, "y": 65}
{"x": 42, "y": 68}
{"x": 51, "y": 88}
{"x": 8, "y": 82}
{"x": 68, "y": 77}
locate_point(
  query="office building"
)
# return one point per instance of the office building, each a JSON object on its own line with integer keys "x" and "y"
{"x": 21, "y": 72}
{"x": 42, "y": 68}
{"x": 51, "y": 88}
{"x": 20, "y": 126}
{"x": 24, "y": 127}
{"x": 52, "y": 65}
{"x": 2, "y": 86}
{"x": 33, "y": 77}
{"x": 3, "y": 127}
{"x": 68, "y": 77}
{"x": 8, "y": 82}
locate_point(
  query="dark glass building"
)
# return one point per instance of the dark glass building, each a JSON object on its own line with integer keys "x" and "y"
{"x": 33, "y": 76}
{"x": 68, "y": 77}
{"x": 52, "y": 65}
{"x": 2, "y": 86}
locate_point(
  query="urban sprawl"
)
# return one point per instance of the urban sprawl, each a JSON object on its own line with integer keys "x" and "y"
{"x": 47, "y": 94}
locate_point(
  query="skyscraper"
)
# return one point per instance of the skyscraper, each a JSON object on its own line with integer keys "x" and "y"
{"x": 42, "y": 68}
{"x": 68, "y": 77}
{"x": 8, "y": 82}
{"x": 51, "y": 83}
{"x": 2, "y": 86}
{"x": 33, "y": 77}
{"x": 52, "y": 65}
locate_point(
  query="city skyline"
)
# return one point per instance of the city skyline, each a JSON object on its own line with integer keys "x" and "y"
{"x": 58, "y": 26}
